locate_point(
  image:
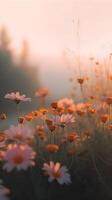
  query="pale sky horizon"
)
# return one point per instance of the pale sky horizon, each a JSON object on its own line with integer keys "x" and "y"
{"x": 48, "y": 25}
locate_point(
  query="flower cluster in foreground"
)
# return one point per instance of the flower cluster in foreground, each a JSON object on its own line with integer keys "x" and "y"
{"x": 53, "y": 138}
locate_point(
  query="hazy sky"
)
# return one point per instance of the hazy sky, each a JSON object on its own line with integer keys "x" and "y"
{"x": 48, "y": 24}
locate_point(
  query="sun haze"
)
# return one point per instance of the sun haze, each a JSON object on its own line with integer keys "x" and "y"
{"x": 51, "y": 25}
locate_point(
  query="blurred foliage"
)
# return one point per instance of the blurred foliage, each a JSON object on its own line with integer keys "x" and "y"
{"x": 16, "y": 74}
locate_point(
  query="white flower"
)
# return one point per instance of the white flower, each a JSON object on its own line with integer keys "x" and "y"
{"x": 16, "y": 97}
{"x": 19, "y": 133}
{"x": 56, "y": 172}
{"x": 19, "y": 157}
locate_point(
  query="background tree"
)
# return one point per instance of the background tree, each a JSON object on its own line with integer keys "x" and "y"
{"x": 13, "y": 75}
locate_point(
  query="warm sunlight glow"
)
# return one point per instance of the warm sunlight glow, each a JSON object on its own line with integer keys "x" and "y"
{"x": 49, "y": 27}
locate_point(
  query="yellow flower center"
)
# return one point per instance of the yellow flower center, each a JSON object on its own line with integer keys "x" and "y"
{"x": 56, "y": 174}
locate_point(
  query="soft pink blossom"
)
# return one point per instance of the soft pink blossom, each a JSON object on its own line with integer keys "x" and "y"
{"x": 19, "y": 133}
{"x": 19, "y": 157}
{"x": 16, "y": 97}
{"x": 64, "y": 119}
{"x": 57, "y": 172}
{"x": 65, "y": 102}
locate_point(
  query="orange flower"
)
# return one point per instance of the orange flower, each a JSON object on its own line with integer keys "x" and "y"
{"x": 72, "y": 137}
{"x": 29, "y": 142}
{"x": 104, "y": 118}
{"x": 71, "y": 109}
{"x": 109, "y": 100}
{"x": 87, "y": 105}
{"x": 29, "y": 117}
{"x": 52, "y": 148}
{"x": 80, "y": 112}
{"x": 35, "y": 113}
{"x": 110, "y": 126}
{"x": 51, "y": 127}
{"x": 65, "y": 103}
{"x": 80, "y": 106}
{"x": 91, "y": 110}
{"x": 49, "y": 122}
{"x": 43, "y": 111}
{"x": 60, "y": 110}
{"x": 54, "y": 105}
{"x": 92, "y": 97}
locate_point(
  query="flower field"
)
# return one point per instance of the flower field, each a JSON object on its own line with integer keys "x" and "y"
{"x": 64, "y": 150}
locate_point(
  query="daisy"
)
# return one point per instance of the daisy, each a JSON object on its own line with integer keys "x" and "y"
{"x": 57, "y": 172}
{"x": 19, "y": 157}
{"x": 16, "y": 97}
{"x": 64, "y": 119}
{"x": 65, "y": 103}
{"x": 19, "y": 133}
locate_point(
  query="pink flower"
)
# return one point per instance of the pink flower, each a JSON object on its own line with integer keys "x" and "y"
{"x": 64, "y": 119}
{"x": 42, "y": 92}
{"x": 57, "y": 172}
{"x": 65, "y": 103}
{"x": 19, "y": 157}
{"x": 16, "y": 97}
{"x": 4, "y": 192}
{"x": 19, "y": 133}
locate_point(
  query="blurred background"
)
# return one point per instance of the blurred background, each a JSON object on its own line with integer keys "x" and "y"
{"x": 41, "y": 39}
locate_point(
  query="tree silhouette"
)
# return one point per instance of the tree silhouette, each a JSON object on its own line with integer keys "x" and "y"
{"x": 13, "y": 76}
{"x": 4, "y": 38}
